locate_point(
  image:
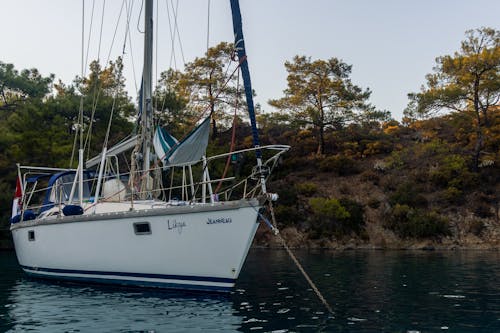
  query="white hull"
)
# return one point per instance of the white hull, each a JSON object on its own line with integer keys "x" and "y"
{"x": 201, "y": 247}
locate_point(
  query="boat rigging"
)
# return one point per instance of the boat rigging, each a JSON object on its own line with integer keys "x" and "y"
{"x": 108, "y": 220}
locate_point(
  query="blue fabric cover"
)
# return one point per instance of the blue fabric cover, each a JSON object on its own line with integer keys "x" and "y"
{"x": 69, "y": 210}
{"x": 28, "y": 215}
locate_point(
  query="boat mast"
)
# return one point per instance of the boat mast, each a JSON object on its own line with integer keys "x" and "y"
{"x": 239, "y": 45}
{"x": 147, "y": 106}
{"x": 78, "y": 179}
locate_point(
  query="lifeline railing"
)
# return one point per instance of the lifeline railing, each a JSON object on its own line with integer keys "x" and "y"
{"x": 184, "y": 184}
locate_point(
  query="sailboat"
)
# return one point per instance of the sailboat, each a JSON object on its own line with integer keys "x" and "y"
{"x": 96, "y": 224}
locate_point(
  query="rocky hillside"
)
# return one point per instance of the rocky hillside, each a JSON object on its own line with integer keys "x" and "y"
{"x": 383, "y": 186}
{"x": 410, "y": 186}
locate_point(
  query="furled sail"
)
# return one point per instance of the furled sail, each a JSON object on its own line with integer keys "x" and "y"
{"x": 190, "y": 149}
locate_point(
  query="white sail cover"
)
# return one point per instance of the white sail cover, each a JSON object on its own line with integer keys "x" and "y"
{"x": 189, "y": 150}
{"x": 115, "y": 150}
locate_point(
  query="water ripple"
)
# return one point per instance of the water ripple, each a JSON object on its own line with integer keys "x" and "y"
{"x": 369, "y": 291}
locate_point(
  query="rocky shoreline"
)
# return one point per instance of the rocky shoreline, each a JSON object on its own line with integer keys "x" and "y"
{"x": 299, "y": 240}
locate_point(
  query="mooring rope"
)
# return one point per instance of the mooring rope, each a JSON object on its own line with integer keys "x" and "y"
{"x": 274, "y": 228}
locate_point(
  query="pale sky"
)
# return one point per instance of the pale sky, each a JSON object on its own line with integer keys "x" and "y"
{"x": 392, "y": 44}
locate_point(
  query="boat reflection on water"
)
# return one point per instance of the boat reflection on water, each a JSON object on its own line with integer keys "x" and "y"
{"x": 63, "y": 307}
{"x": 269, "y": 296}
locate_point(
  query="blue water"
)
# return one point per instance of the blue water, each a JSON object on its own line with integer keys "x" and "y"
{"x": 370, "y": 291}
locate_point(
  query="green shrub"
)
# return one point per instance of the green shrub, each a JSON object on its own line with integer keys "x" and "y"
{"x": 287, "y": 195}
{"x": 435, "y": 147}
{"x": 425, "y": 225}
{"x": 336, "y": 217}
{"x": 355, "y": 221}
{"x": 452, "y": 171}
{"x": 350, "y": 148}
{"x": 378, "y": 147}
{"x": 297, "y": 163}
{"x": 400, "y": 214}
{"x": 287, "y": 216}
{"x": 326, "y": 217}
{"x": 395, "y": 160}
{"x": 408, "y": 222}
{"x": 328, "y": 209}
{"x": 306, "y": 188}
{"x": 408, "y": 193}
{"x": 340, "y": 164}
{"x": 453, "y": 195}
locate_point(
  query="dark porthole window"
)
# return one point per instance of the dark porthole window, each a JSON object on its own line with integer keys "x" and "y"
{"x": 31, "y": 235}
{"x": 142, "y": 228}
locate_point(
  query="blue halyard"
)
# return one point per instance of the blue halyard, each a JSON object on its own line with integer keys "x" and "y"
{"x": 239, "y": 44}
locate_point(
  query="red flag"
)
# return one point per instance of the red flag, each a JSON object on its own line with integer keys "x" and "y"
{"x": 17, "y": 198}
{"x": 19, "y": 189}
